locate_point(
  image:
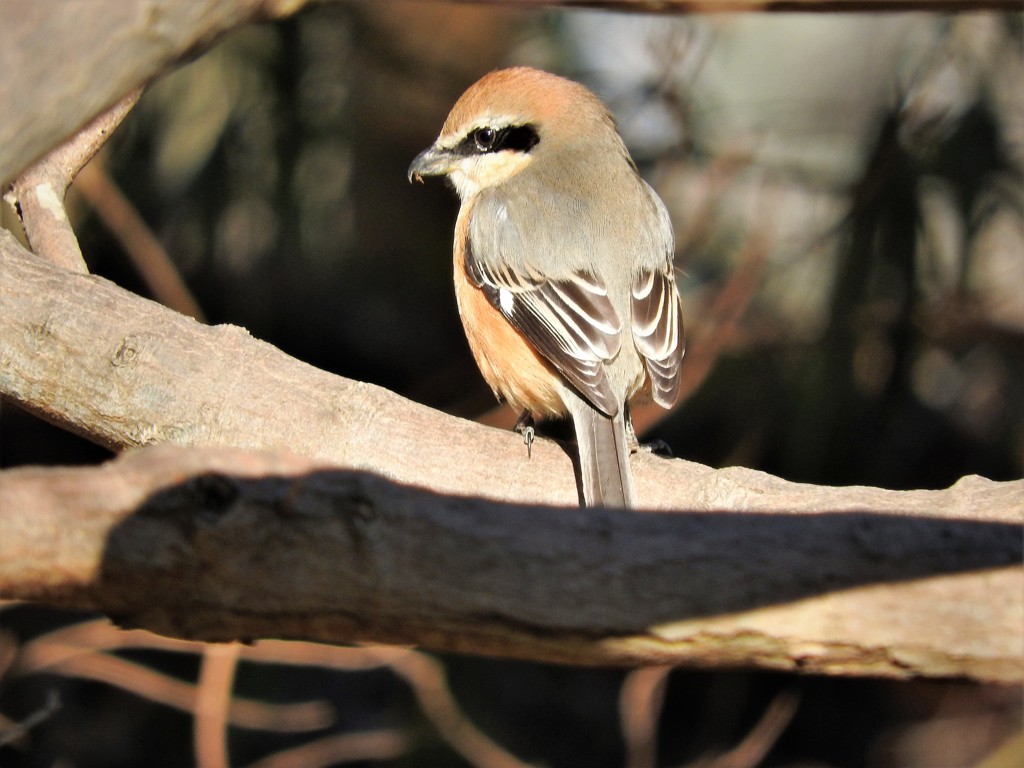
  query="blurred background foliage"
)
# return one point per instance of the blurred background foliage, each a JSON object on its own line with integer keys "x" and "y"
{"x": 848, "y": 200}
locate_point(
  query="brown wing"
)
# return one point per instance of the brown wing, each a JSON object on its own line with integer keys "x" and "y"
{"x": 657, "y": 313}
{"x": 570, "y": 322}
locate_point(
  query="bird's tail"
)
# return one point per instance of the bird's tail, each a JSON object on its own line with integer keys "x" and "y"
{"x": 604, "y": 457}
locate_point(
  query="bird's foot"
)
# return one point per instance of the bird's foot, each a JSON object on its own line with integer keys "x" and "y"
{"x": 657, "y": 447}
{"x": 525, "y": 428}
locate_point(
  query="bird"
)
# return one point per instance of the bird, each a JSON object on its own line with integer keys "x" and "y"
{"x": 563, "y": 265}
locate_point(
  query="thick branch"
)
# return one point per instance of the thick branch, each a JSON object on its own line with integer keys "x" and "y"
{"x": 889, "y": 583}
{"x": 224, "y": 544}
{"x": 102, "y": 50}
{"x": 124, "y": 371}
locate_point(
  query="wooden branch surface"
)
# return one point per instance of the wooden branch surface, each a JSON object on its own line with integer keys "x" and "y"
{"x": 223, "y": 544}
{"x": 124, "y": 371}
{"x": 66, "y": 63}
{"x": 843, "y": 580}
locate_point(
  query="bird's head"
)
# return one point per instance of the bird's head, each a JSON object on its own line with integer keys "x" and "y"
{"x": 511, "y": 119}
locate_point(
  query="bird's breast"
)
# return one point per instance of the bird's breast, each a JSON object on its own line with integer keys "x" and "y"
{"x": 508, "y": 362}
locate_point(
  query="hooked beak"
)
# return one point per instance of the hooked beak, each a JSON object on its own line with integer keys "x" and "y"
{"x": 433, "y": 161}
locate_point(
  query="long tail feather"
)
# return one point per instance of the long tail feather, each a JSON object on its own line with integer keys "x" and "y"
{"x": 604, "y": 458}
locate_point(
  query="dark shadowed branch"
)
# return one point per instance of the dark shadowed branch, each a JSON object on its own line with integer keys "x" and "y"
{"x": 219, "y": 544}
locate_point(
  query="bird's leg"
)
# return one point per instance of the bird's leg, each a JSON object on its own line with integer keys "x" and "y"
{"x": 657, "y": 447}
{"x": 525, "y": 428}
{"x": 631, "y": 439}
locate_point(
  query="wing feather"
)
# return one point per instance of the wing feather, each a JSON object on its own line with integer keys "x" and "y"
{"x": 570, "y": 322}
{"x": 658, "y": 332}
{"x": 569, "y": 317}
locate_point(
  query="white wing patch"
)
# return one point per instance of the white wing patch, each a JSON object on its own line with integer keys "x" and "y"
{"x": 505, "y": 301}
{"x": 571, "y": 323}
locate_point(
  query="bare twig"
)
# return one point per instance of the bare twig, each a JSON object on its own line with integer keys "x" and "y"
{"x": 213, "y": 705}
{"x": 74, "y": 651}
{"x": 426, "y": 677}
{"x": 38, "y": 194}
{"x": 86, "y": 637}
{"x": 344, "y": 748}
{"x": 79, "y": 662}
{"x": 762, "y": 737}
{"x": 640, "y": 702}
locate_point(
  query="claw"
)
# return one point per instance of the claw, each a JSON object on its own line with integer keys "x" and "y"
{"x": 528, "y": 433}
{"x": 525, "y": 428}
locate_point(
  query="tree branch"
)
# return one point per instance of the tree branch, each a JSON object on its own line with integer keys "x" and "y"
{"x": 140, "y": 244}
{"x": 894, "y": 583}
{"x": 124, "y": 371}
{"x": 38, "y": 194}
{"x": 224, "y": 544}
{"x": 112, "y": 47}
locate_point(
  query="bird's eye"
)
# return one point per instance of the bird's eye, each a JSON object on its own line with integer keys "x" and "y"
{"x": 484, "y": 138}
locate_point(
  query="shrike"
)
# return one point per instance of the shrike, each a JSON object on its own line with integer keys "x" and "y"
{"x": 563, "y": 263}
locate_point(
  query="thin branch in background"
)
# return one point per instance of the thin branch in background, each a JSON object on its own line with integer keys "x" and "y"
{"x": 213, "y": 704}
{"x": 90, "y": 636}
{"x": 426, "y": 676}
{"x": 640, "y": 703}
{"x": 14, "y": 731}
{"x": 38, "y": 194}
{"x": 762, "y": 737}
{"x": 385, "y": 744}
{"x": 301, "y": 653}
{"x": 143, "y": 249}
{"x": 77, "y": 651}
{"x": 177, "y": 694}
